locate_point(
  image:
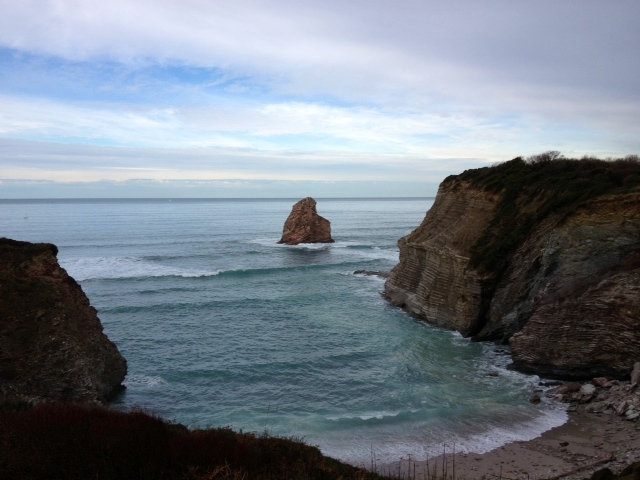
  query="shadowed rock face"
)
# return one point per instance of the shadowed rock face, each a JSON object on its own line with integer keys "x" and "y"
{"x": 567, "y": 299}
{"x": 52, "y": 346}
{"x": 304, "y": 225}
{"x": 578, "y": 300}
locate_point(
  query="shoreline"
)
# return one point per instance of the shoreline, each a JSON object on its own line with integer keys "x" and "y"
{"x": 587, "y": 442}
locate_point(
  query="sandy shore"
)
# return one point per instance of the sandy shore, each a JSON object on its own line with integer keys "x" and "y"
{"x": 586, "y": 443}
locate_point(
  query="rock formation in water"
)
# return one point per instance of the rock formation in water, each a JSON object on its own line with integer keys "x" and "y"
{"x": 52, "y": 346}
{"x": 304, "y": 225}
{"x": 544, "y": 255}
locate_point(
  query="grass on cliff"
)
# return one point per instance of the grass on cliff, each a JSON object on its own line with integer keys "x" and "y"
{"x": 65, "y": 441}
{"x": 533, "y": 189}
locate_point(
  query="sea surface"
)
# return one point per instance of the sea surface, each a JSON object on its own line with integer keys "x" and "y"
{"x": 222, "y": 326}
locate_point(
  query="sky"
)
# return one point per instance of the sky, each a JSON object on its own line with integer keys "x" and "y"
{"x": 296, "y": 98}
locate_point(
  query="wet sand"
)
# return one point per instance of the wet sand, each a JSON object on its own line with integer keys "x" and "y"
{"x": 585, "y": 443}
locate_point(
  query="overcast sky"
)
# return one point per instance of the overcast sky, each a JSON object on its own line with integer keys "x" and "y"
{"x": 290, "y": 98}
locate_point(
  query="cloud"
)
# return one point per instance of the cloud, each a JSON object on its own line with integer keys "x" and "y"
{"x": 88, "y": 163}
{"x": 277, "y": 89}
{"x": 369, "y": 47}
{"x": 274, "y": 126}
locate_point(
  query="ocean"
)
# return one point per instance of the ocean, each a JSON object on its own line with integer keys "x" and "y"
{"x": 222, "y": 326}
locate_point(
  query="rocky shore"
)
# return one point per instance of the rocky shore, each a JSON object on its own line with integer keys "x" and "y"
{"x": 602, "y": 432}
{"x": 542, "y": 254}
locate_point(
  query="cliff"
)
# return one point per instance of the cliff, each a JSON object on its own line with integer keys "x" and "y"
{"x": 52, "y": 346}
{"x": 544, "y": 255}
{"x": 304, "y": 225}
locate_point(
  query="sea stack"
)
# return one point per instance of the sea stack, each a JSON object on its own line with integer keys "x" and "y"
{"x": 52, "y": 347}
{"x": 304, "y": 225}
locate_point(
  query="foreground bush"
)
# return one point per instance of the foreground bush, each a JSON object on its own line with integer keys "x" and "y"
{"x": 63, "y": 441}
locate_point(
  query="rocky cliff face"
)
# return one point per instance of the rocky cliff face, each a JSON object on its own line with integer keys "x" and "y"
{"x": 52, "y": 346}
{"x": 583, "y": 293}
{"x": 304, "y": 225}
{"x": 435, "y": 279}
{"x": 564, "y": 291}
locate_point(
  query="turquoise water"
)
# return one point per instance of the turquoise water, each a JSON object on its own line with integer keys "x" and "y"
{"x": 221, "y": 326}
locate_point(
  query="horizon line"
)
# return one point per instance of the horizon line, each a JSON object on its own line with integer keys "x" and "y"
{"x": 206, "y": 198}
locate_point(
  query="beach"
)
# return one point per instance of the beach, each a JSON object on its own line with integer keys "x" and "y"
{"x": 585, "y": 443}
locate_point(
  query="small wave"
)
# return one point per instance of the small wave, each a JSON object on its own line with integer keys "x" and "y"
{"x": 92, "y": 268}
{"x": 240, "y": 272}
{"x": 364, "y": 416}
{"x": 339, "y": 246}
{"x": 372, "y": 252}
{"x": 373, "y": 275}
{"x": 427, "y": 442}
{"x": 520, "y": 432}
{"x": 144, "y": 381}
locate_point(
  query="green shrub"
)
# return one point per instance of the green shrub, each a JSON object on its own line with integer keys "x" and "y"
{"x": 535, "y": 188}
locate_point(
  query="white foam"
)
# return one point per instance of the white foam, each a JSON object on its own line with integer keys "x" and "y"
{"x": 364, "y": 449}
{"x": 339, "y": 247}
{"x": 89, "y": 268}
{"x": 365, "y": 416}
{"x": 499, "y": 436}
{"x": 273, "y": 243}
{"x": 375, "y": 253}
{"x": 144, "y": 381}
{"x": 374, "y": 278}
{"x": 267, "y": 242}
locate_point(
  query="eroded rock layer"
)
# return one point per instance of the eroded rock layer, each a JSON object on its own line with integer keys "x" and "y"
{"x": 52, "y": 346}
{"x": 434, "y": 279}
{"x": 304, "y": 225}
{"x": 558, "y": 273}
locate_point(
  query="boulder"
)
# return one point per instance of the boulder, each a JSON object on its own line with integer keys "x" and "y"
{"x": 587, "y": 390}
{"x": 571, "y": 387}
{"x": 601, "y": 382}
{"x": 304, "y": 225}
{"x": 52, "y": 347}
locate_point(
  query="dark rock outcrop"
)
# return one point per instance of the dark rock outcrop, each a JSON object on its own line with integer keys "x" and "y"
{"x": 52, "y": 346}
{"x": 554, "y": 270}
{"x": 304, "y": 225}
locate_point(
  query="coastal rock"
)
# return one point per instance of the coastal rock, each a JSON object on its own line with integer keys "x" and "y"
{"x": 571, "y": 387}
{"x": 561, "y": 286}
{"x": 52, "y": 346}
{"x": 435, "y": 279}
{"x": 635, "y": 375}
{"x": 304, "y": 225}
{"x": 601, "y": 382}
{"x": 619, "y": 399}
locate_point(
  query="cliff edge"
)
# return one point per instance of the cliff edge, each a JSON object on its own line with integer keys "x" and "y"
{"x": 542, "y": 254}
{"x": 52, "y": 346}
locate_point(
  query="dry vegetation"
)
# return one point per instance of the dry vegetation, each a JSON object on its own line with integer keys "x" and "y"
{"x": 66, "y": 441}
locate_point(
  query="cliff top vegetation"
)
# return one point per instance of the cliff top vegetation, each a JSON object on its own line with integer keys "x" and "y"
{"x": 537, "y": 187}
{"x": 66, "y": 441}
